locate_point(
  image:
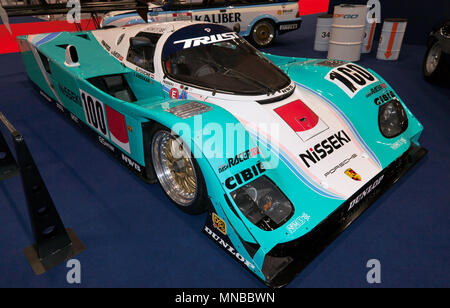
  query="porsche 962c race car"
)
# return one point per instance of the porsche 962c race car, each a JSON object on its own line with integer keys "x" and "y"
{"x": 282, "y": 153}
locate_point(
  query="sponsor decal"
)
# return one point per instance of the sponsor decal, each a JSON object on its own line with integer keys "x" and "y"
{"x": 244, "y": 176}
{"x": 137, "y": 75}
{"x": 385, "y": 98}
{"x": 287, "y": 89}
{"x": 301, "y": 119}
{"x": 94, "y": 110}
{"x": 143, "y": 72}
{"x": 106, "y": 144}
{"x": 219, "y": 224}
{"x": 342, "y": 164}
{"x": 74, "y": 118}
{"x": 59, "y": 106}
{"x": 69, "y": 94}
{"x": 298, "y": 222}
{"x": 352, "y": 174}
{"x": 117, "y": 55}
{"x": 288, "y": 27}
{"x": 376, "y": 89}
{"x": 45, "y": 96}
{"x": 168, "y": 83}
{"x": 350, "y": 78}
{"x": 365, "y": 192}
{"x": 107, "y": 47}
{"x": 205, "y": 40}
{"x": 236, "y": 160}
{"x": 228, "y": 247}
{"x": 174, "y": 93}
{"x": 325, "y": 148}
{"x": 219, "y": 18}
{"x": 131, "y": 163}
{"x": 398, "y": 143}
{"x": 118, "y": 128}
{"x": 346, "y": 16}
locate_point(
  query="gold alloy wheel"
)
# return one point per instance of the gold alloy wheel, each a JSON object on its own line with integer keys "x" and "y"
{"x": 174, "y": 168}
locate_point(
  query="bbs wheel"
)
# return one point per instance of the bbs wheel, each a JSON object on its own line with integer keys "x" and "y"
{"x": 178, "y": 172}
{"x": 263, "y": 33}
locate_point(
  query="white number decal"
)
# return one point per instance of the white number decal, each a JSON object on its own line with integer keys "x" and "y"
{"x": 351, "y": 78}
{"x": 94, "y": 110}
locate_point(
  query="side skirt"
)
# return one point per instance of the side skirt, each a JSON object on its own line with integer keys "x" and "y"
{"x": 124, "y": 159}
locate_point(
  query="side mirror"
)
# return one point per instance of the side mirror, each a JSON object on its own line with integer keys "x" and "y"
{"x": 137, "y": 42}
{"x": 71, "y": 56}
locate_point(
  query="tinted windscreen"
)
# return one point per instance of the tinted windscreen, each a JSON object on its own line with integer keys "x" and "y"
{"x": 220, "y": 61}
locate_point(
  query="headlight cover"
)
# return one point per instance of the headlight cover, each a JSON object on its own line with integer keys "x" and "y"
{"x": 392, "y": 119}
{"x": 263, "y": 204}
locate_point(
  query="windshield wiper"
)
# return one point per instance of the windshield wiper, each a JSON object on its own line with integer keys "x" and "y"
{"x": 241, "y": 75}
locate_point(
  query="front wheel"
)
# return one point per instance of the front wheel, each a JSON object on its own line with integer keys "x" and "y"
{"x": 178, "y": 172}
{"x": 263, "y": 33}
{"x": 434, "y": 63}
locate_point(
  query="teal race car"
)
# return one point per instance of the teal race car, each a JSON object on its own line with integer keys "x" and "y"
{"x": 282, "y": 153}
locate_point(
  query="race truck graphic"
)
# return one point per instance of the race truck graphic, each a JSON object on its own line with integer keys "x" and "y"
{"x": 282, "y": 153}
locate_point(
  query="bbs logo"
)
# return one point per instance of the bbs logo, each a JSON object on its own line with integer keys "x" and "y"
{"x": 94, "y": 110}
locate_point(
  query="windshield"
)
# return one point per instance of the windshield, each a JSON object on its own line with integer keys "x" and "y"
{"x": 221, "y": 61}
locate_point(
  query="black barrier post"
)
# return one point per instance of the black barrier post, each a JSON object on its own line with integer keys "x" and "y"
{"x": 54, "y": 244}
{"x": 8, "y": 165}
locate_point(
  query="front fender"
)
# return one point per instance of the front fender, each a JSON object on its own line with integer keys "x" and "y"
{"x": 359, "y": 111}
{"x": 214, "y": 137}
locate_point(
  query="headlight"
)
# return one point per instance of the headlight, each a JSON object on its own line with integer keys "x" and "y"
{"x": 445, "y": 31}
{"x": 392, "y": 119}
{"x": 263, "y": 204}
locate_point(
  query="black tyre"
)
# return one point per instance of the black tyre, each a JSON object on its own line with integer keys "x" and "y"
{"x": 435, "y": 64}
{"x": 177, "y": 171}
{"x": 263, "y": 33}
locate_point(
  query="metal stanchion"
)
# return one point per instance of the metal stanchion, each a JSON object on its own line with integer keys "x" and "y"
{"x": 53, "y": 242}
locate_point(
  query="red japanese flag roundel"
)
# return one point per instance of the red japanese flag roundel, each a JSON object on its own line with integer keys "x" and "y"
{"x": 301, "y": 119}
{"x": 117, "y": 128}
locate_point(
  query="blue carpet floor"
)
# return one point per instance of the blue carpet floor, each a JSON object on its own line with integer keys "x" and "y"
{"x": 136, "y": 238}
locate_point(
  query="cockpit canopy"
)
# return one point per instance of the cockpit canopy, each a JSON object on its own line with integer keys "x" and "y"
{"x": 215, "y": 58}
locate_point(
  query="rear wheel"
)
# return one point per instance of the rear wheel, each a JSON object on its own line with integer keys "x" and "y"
{"x": 178, "y": 172}
{"x": 263, "y": 33}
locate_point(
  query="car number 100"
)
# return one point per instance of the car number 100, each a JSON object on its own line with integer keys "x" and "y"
{"x": 94, "y": 111}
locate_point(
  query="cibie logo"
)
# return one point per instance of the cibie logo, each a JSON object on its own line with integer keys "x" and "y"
{"x": 205, "y": 40}
{"x": 219, "y": 224}
{"x": 352, "y": 174}
{"x": 385, "y": 98}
